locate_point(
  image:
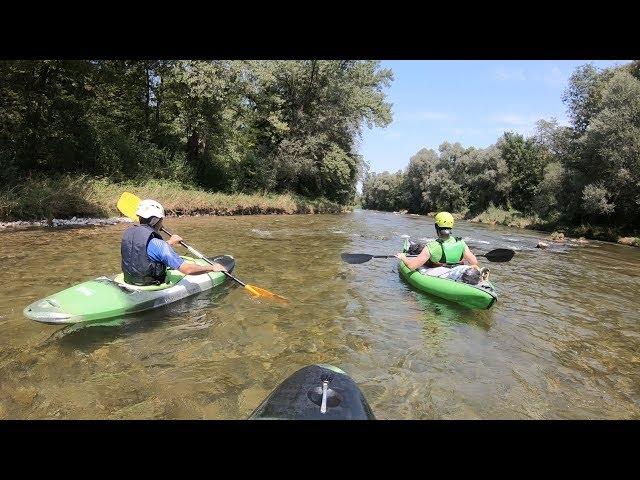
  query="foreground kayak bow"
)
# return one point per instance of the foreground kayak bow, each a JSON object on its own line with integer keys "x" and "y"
{"x": 315, "y": 392}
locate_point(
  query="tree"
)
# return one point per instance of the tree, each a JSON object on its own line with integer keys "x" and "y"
{"x": 583, "y": 95}
{"x": 384, "y": 191}
{"x": 316, "y": 113}
{"x": 609, "y": 152}
{"x": 486, "y": 179}
{"x": 525, "y": 160}
{"x": 421, "y": 167}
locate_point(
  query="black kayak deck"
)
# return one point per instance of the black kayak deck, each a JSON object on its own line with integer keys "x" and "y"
{"x": 299, "y": 397}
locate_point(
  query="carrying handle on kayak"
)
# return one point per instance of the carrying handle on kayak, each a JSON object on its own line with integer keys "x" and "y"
{"x": 323, "y": 407}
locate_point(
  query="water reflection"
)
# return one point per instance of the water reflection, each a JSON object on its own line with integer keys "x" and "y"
{"x": 561, "y": 342}
{"x": 195, "y": 311}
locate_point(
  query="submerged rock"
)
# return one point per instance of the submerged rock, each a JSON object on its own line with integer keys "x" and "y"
{"x": 557, "y": 237}
{"x": 250, "y": 398}
{"x": 630, "y": 241}
{"x": 25, "y": 396}
{"x": 579, "y": 241}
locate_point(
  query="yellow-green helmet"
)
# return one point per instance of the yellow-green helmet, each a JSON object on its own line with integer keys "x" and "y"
{"x": 444, "y": 220}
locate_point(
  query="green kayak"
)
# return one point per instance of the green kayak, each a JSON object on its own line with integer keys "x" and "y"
{"x": 482, "y": 296}
{"x": 108, "y": 297}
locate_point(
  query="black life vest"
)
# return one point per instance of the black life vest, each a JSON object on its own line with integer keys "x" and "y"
{"x": 137, "y": 267}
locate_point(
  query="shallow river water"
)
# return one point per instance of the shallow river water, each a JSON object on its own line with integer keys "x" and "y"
{"x": 562, "y": 342}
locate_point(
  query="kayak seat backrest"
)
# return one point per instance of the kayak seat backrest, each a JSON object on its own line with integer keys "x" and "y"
{"x": 173, "y": 277}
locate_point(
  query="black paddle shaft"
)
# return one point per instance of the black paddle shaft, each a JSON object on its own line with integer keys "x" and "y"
{"x": 497, "y": 255}
{"x": 203, "y": 257}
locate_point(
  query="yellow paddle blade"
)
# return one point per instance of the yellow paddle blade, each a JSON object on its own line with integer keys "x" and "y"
{"x": 261, "y": 292}
{"x": 128, "y": 204}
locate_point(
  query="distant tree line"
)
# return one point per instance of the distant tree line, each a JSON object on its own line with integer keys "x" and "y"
{"x": 231, "y": 126}
{"x": 588, "y": 172}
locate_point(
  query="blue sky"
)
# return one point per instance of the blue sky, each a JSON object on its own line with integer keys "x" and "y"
{"x": 472, "y": 102}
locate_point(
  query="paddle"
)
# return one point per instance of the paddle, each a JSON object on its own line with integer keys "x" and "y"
{"x": 497, "y": 255}
{"x": 128, "y": 204}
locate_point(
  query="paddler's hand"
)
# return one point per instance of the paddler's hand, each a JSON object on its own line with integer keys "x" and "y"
{"x": 218, "y": 268}
{"x": 174, "y": 239}
{"x": 401, "y": 256}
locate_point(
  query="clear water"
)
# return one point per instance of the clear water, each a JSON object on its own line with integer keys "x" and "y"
{"x": 561, "y": 342}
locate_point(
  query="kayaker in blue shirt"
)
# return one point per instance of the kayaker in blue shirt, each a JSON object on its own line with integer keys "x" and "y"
{"x": 442, "y": 256}
{"x": 146, "y": 256}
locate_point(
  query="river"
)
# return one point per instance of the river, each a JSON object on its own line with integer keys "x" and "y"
{"x": 562, "y": 341}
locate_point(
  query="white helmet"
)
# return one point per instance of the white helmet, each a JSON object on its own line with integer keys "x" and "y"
{"x": 150, "y": 208}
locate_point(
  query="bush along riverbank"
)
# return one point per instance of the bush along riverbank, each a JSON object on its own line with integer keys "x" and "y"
{"x": 558, "y": 231}
{"x": 83, "y": 200}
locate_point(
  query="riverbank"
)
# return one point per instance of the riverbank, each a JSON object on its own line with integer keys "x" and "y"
{"x": 70, "y": 201}
{"x": 514, "y": 218}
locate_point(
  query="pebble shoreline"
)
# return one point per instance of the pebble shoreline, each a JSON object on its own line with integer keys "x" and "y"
{"x": 61, "y": 222}
{"x": 87, "y": 222}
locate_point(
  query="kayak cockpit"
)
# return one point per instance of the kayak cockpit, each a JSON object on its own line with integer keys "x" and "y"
{"x": 173, "y": 276}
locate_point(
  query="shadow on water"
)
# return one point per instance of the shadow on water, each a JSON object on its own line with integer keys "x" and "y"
{"x": 447, "y": 312}
{"x": 94, "y": 334}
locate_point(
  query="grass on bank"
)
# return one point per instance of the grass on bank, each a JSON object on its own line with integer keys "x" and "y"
{"x": 514, "y": 218}
{"x": 510, "y": 218}
{"x": 84, "y": 196}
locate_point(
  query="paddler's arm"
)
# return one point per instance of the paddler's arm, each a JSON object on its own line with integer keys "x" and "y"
{"x": 415, "y": 262}
{"x": 469, "y": 257}
{"x": 174, "y": 239}
{"x": 161, "y": 251}
{"x": 189, "y": 268}
{"x": 194, "y": 269}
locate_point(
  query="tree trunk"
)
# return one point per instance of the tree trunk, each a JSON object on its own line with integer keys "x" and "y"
{"x": 193, "y": 154}
{"x": 36, "y": 114}
{"x": 192, "y": 147}
{"x": 147, "y": 95}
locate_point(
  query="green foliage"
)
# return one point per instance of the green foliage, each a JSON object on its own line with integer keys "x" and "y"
{"x": 487, "y": 179}
{"x": 338, "y": 172}
{"x": 421, "y": 168}
{"x": 546, "y": 203}
{"x": 383, "y": 191}
{"x": 525, "y": 160}
{"x": 232, "y": 126}
{"x": 457, "y": 179}
{"x": 595, "y": 200}
{"x": 583, "y": 95}
{"x": 500, "y": 216}
{"x": 610, "y": 152}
